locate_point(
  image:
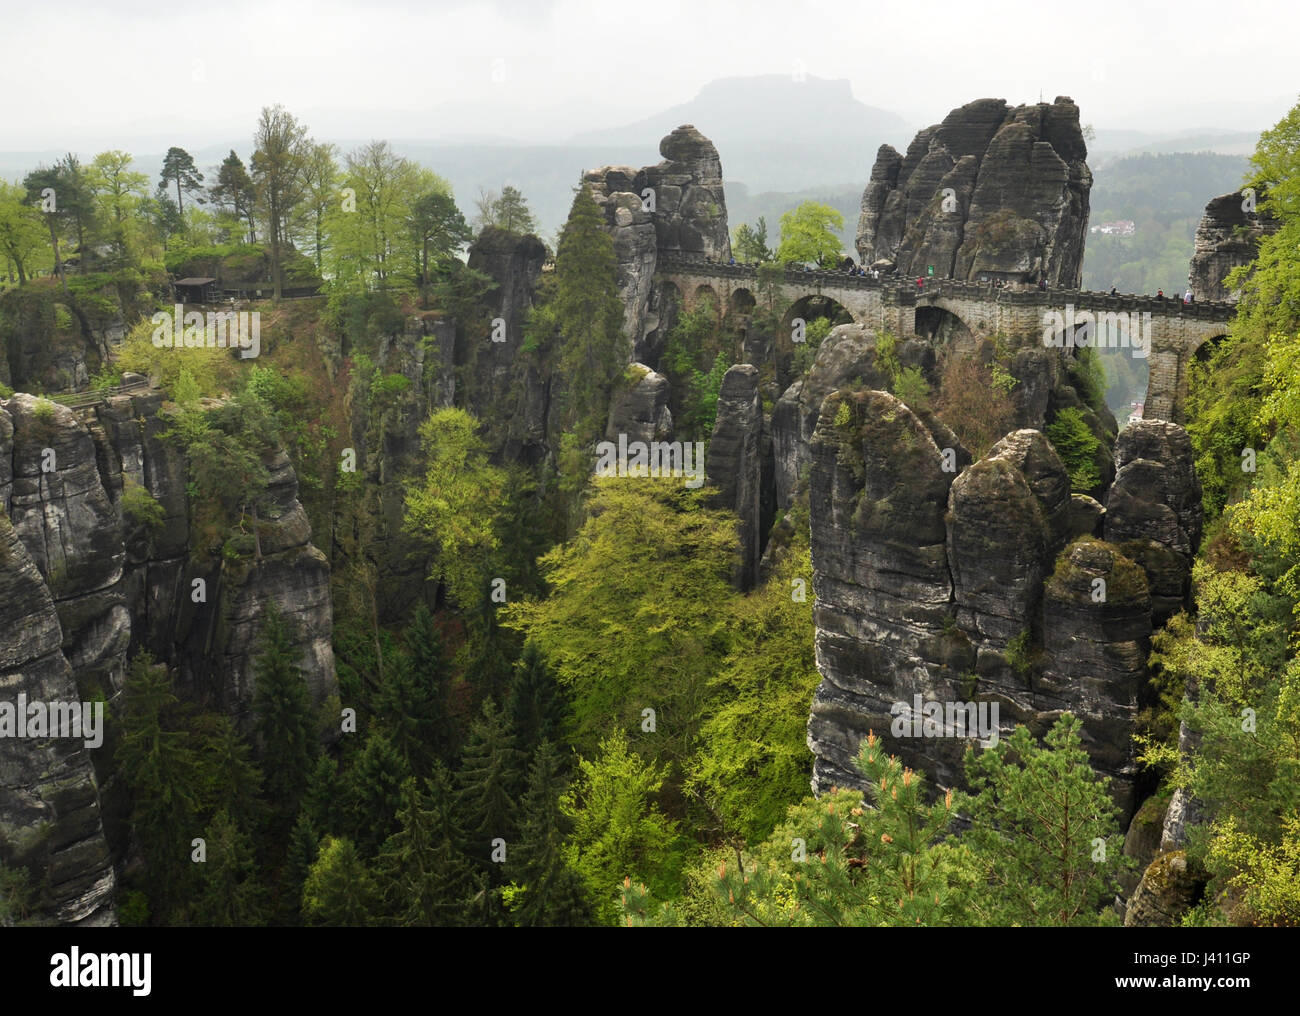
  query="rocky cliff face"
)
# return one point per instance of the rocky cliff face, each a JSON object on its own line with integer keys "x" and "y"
{"x": 992, "y": 190}
{"x": 1228, "y": 236}
{"x": 961, "y": 582}
{"x": 676, "y": 206}
{"x": 49, "y": 798}
{"x": 97, "y": 587}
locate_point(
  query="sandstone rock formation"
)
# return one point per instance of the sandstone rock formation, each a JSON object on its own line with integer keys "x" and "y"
{"x": 641, "y": 410}
{"x": 734, "y": 463}
{"x": 676, "y": 206}
{"x": 49, "y": 800}
{"x": 1228, "y": 236}
{"x": 1153, "y": 509}
{"x": 991, "y": 191}
{"x": 93, "y": 585}
{"x": 954, "y": 581}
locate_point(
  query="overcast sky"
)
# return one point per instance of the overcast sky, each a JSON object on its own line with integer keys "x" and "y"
{"x": 84, "y": 74}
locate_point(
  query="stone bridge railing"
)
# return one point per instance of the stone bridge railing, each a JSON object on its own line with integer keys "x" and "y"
{"x": 906, "y": 292}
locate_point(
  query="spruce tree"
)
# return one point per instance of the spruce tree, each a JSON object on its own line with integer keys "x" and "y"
{"x": 589, "y": 315}
{"x": 487, "y": 788}
{"x": 551, "y": 893}
{"x": 234, "y": 782}
{"x": 372, "y": 792}
{"x": 340, "y": 892}
{"x": 304, "y": 848}
{"x": 535, "y": 704}
{"x": 424, "y": 879}
{"x": 163, "y": 774}
{"x": 285, "y": 726}
{"x": 230, "y": 895}
{"x": 430, "y": 673}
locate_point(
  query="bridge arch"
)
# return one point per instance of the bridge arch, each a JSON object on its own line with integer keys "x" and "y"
{"x": 815, "y": 305}
{"x": 741, "y": 301}
{"x": 944, "y": 328}
{"x": 706, "y": 294}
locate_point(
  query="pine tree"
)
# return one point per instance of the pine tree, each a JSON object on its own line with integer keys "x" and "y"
{"x": 424, "y": 879}
{"x": 551, "y": 893}
{"x": 230, "y": 895}
{"x": 1045, "y": 831}
{"x": 284, "y": 722}
{"x": 340, "y": 891}
{"x": 178, "y": 168}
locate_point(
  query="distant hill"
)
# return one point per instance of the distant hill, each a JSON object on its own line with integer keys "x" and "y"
{"x": 774, "y": 133}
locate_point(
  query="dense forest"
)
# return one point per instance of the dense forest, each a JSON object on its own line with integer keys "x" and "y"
{"x": 581, "y": 720}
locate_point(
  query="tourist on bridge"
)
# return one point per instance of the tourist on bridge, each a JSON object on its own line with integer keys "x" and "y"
{"x": 1114, "y": 291}
{"x": 920, "y": 284}
{"x": 1160, "y": 294}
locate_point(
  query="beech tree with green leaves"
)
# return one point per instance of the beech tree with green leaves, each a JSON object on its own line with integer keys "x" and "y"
{"x": 808, "y": 235}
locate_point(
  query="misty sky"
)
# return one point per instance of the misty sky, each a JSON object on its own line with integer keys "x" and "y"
{"x": 83, "y": 74}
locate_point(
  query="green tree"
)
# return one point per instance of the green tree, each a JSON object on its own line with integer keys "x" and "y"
{"x": 340, "y": 891}
{"x": 633, "y": 620}
{"x": 1044, "y": 833}
{"x": 808, "y": 234}
{"x": 120, "y": 196}
{"x": 425, "y": 881}
{"x": 281, "y": 150}
{"x": 753, "y": 761}
{"x": 440, "y": 231}
{"x": 234, "y": 193}
{"x": 230, "y": 895}
{"x": 547, "y": 892}
{"x": 618, "y": 828}
{"x": 588, "y": 315}
{"x": 286, "y": 727}
{"x": 453, "y": 511}
{"x": 488, "y": 785}
{"x": 535, "y": 704}
{"x": 750, "y": 243}
{"x": 1075, "y": 442}
{"x": 320, "y": 177}
{"x": 22, "y": 234}
{"x": 371, "y": 793}
{"x": 507, "y": 210}
{"x": 178, "y": 169}
{"x": 162, "y": 772}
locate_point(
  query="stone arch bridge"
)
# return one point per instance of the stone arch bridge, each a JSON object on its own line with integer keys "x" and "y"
{"x": 1174, "y": 330}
